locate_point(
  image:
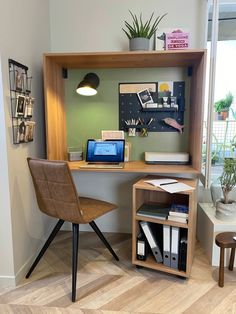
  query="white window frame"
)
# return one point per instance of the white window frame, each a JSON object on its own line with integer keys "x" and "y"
{"x": 211, "y": 90}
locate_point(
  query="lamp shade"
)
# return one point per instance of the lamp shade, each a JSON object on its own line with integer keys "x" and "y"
{"x": 88, "y": 87}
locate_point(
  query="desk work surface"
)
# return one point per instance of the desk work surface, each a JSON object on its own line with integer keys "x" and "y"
{"x": 140, "y": 167}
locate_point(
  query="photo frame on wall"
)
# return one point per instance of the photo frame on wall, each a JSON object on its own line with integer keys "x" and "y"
{"x": 29, "y": 131}
{"x": 20, "y": 105}
{"x": 29, "y": 103}
{"x": 19, "y": 80}
{"x": 21, "y": 131}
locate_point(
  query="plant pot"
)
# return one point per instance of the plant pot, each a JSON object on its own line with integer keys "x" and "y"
{"x": 224, "y": 115}
{"x": 225, "y": 212}
{"x": 139, "y": 43}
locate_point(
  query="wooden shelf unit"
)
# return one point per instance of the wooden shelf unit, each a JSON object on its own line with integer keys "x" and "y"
{"x": 146, "y": 193}
{"x": 56, "y": 64}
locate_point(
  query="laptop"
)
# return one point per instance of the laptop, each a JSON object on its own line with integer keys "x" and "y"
{"x": 105, "y": 154}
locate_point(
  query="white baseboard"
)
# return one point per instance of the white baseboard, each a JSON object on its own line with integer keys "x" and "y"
{"x": 13, "y": 281}
{"x": 7, "y": 281}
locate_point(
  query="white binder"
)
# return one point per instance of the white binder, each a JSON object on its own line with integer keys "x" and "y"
{"x": 166, "y": 245}
{"x": 174, "y": 247}
{"x": 152, "y": 241}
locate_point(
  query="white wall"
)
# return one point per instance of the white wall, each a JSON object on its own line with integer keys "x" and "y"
{"x": 24, "y": 36}
{"x": 97, "y": 25}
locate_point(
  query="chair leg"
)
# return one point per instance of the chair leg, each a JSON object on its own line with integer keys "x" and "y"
{"x": 74, "y": 259}
{"x": 46, "y": 245}
{"x": 231, "y": 261}
{"x": 221, "y": 267}
{"x": 101, "y": 236}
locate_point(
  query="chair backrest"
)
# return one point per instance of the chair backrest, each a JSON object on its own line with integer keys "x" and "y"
{"x": 55, "y": 190}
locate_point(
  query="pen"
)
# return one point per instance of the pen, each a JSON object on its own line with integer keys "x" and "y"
{"x": 168, "y": 183}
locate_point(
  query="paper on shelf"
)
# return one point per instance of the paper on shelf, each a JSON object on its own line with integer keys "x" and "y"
{"x": 176, "y": 187}
{"x": 159, "y": 182}
{"x": 170, "y": 185}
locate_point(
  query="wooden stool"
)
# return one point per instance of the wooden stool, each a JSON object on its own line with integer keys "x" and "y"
{"x": 225, "y": 240}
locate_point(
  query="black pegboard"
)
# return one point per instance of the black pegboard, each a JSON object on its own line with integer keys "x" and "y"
{"x": 130, "y": 108}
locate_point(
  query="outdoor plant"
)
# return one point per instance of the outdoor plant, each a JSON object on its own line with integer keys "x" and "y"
{"x": 224, "y": 104}
{"x": 139, "y": 28}
{"x": 228, "y": 178}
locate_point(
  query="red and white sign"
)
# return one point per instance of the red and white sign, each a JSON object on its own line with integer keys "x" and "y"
{"x": 177, "y": 40}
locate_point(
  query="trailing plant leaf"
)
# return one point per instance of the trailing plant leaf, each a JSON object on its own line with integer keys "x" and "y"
{"x": 139, "y": 28}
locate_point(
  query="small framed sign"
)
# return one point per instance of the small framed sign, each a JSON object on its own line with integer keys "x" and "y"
{"x": 177, "y": 40}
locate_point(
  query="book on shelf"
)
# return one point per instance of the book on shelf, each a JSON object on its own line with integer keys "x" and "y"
{"x": 178, "y": 219}
{"x": 159, "y": 211}
{"x": 179, "y": 210}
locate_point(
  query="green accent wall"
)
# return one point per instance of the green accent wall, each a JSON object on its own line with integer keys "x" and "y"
{"x": 87, "y": 116}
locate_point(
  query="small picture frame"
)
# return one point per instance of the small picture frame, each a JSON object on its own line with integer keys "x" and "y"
{"x": 29, "y": 131}
{"x": 21, "y": 132}
{"x": 29, "y": 104}
{"x": 19, "y": 80}
{"x": 145, "y": 97}
{"x": 20, "y": 106}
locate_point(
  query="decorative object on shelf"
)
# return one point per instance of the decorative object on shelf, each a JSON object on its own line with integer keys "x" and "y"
{"x": 226, "y": 208}
{"x": 88, "y": 87}
{"x": 222, "y": 106}
{"x": 174, "y": 124}
{"x": 21, "y": 103}
{"x": 140, "y": 32}
{"x": 176, "y": 40}
{"x": 172, "y": 39}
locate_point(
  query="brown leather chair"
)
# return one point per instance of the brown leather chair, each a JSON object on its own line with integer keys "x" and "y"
{"x": 57, "y": 197}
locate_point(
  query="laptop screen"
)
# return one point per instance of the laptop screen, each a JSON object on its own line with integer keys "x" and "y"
{"x": 105, "y": 151}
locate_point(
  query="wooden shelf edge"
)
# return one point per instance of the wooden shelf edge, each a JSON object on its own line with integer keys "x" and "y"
{"x": 149, "y": 263}
{"x": 162, "y": 222}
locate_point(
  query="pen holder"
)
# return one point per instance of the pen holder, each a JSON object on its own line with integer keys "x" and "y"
{"x": 132, "y": 132}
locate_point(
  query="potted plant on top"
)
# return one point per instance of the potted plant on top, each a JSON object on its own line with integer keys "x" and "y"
{"x": 139, "y": 32}
{"x": 226, "y": 208}
{"x": 222, "y": 106}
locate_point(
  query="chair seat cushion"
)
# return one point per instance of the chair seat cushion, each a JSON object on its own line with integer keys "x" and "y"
{"x": 93, "y": 208}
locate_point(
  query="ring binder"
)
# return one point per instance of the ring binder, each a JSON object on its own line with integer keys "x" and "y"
{"x": 174, "y": 247}
{"x": 166, "y": 245}
{"x": 152, "y": 241}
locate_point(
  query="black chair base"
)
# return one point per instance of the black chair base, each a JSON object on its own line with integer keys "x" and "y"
{"x": 103, "y": 239}
{"x": 75, "y": 243}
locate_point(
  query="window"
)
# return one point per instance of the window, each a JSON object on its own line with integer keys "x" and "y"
{"x": 219, "y": 136}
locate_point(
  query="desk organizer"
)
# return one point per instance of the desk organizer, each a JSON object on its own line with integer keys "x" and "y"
{"x": 130, "y": 108}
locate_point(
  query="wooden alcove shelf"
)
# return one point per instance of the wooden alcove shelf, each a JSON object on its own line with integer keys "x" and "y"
{"x": 56, "y": 64}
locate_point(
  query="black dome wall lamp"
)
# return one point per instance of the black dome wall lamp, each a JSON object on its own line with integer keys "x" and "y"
{"x": 88, "y": 87}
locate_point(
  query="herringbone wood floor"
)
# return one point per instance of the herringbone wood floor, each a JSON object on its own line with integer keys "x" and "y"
{"x": 107, "y": 286}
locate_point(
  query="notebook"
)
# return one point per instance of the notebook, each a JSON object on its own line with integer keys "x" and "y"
{"x": 104, "y": 154}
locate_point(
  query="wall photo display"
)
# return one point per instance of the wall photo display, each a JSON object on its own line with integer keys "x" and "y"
{"x": 22, "y": 104}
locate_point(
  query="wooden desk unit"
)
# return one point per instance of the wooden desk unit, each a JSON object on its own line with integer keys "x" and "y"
{"x": 193, "y": 61}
